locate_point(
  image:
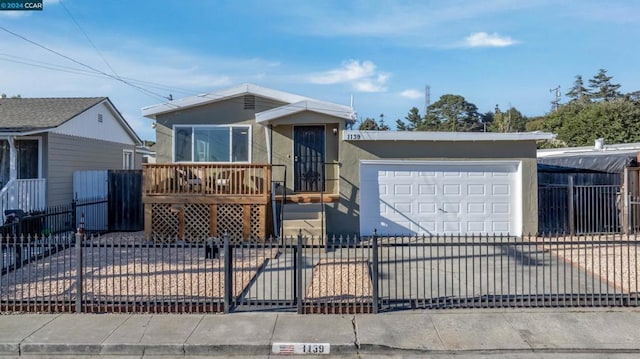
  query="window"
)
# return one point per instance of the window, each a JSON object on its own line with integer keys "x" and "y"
{"x": 27, "y": 158}
{"x": 127, "y": 159}
{"x": 212, "y": 143}
{"x": 4, "y": 162}
{"x": 28, "y": 155}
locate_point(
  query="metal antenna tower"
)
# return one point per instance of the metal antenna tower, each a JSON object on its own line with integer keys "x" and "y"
{"x": 555, "y": 103}
{"x": 427, "y": 97}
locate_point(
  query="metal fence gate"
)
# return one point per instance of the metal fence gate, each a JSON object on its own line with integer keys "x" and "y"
{"x": 72, "y": 273}
{"x": 580, "y": 209}
{"x": 502, "y": 271}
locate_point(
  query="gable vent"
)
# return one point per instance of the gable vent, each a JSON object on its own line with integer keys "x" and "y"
{"x": 99, "y": 117}
{"x": 249, "y": 102}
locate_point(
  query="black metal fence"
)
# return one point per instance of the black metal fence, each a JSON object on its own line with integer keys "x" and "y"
{"x": 579, "y": 209}
{"x": 58, "y": 219}
{"x": 72, "y": 273}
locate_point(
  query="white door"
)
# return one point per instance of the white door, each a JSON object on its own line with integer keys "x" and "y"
{"x": 463, "y": 197}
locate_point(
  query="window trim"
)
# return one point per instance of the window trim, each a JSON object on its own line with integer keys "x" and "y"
{"x": 33, "y": 138}
{"x": 229, "y": 127}
{"x": 131, "y": 164}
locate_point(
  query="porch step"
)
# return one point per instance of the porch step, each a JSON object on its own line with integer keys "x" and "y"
{"x": 294, "y": 211}
{"x": 305, "y": 217}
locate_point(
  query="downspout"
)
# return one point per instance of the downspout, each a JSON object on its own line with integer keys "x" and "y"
{"x": 270, "y": 144}
{"x": 13, "y": 158}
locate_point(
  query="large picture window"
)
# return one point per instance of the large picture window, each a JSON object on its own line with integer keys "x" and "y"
{"x": 212, "y": 143}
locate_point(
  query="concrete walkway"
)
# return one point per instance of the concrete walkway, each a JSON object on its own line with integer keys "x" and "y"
{"x": 535, "y": 333}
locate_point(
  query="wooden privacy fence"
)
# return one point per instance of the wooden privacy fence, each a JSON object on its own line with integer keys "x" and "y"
{"x": 198, "y": 201}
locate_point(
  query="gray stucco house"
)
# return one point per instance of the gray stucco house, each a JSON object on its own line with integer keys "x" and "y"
{"x": 44, "y": 140}
{"x": 393, "y": 182}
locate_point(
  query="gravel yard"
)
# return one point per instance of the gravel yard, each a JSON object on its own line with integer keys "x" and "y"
{"x": 117, "y": 272}
{"x": 614, "y": 259}
{"x": 340, "y": 281}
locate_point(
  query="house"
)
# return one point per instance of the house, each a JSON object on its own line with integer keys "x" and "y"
{"x": 335, "y": 180}
{"x": 44, "y": 140}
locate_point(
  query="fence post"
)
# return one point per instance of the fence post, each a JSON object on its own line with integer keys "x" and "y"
{"x": 625, "y": 194}
{"x": 228, "y": 274}
{"x": 74, "y": 207}
{"x": 79, "y": 272}
{"x": 374, "y": 273}
{"x": 572, "y": 225}
{"x": 298, "y": 284}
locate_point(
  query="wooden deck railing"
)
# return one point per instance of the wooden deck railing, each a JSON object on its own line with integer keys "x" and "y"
{"x": 198, "y": 201}
{"x": 206, "y": 179}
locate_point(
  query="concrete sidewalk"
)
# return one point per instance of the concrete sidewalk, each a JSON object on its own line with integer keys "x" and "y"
{"x": 469, "y": 333}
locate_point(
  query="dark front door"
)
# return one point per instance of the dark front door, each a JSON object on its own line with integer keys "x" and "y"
{"x": 308, "y": 158}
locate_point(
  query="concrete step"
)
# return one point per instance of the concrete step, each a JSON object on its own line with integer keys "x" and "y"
{"x": 303, "y": 216}
{"x": 295, "y": 211}
{"x": 306, "y": 232}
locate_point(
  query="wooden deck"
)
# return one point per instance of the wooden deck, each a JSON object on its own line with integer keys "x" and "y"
{"x": 310, "y": 198}
{"x": 194, "y": 202}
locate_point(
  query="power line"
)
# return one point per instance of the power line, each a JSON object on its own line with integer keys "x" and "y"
{"x": 148, "y": 92}
{"x": 88, "y": 39}
{"x": 127, "y": 81}
{"x": 77, "y": 71}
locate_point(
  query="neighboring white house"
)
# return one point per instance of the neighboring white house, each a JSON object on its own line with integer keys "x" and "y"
{"x": 44, "y": 140}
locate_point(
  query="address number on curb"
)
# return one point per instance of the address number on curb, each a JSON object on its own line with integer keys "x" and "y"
{"x": 300, "y": 348}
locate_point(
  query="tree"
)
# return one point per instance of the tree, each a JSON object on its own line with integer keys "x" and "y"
{"x": 579, "y": 93}
{"x": 453, "y": 113}
{"x": 510, "y": 121}
{"x": 413, "y": 121}
{"x": 381, "y": 125}
{"x": 617, "y": 121}
{"x": 602, "y": 88}
{"x": 535, "y": 124}
{"x": 4, "y": 95}
{"x": 370, "y": 124}
{"x": 487, "y": 119}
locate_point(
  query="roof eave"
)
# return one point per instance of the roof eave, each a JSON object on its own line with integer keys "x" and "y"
{"x": 211, "y": 97}
{"x": 350, "y": 135}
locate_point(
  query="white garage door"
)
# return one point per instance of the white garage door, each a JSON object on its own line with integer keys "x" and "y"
{"x": 409, "y": 197}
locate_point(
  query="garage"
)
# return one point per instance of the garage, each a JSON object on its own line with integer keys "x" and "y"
{"x": 400, "y": 197}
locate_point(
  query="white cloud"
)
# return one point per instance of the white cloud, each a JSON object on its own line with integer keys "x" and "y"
{"x": 362, "y": 76}
{"x": 411, "y": 94}
{"x": 483, "y": 39}
{"x": 409, "y": 23}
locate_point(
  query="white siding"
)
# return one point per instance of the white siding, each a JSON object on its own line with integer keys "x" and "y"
{"x": 87, "y": 125}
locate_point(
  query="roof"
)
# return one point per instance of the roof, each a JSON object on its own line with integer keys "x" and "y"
{"x": 26, "y": 114}
{"x": 610, "y": 158}
{"x": 627, "y": 148}
{"x": 210, "y": 97}
{"x": 326, "y": 108}
{"x": 443, "y": 136}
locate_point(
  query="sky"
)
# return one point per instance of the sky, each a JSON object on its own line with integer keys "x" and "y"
{"x": 381, "y": 55}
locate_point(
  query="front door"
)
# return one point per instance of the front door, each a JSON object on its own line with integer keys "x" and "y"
{"x": 308, "y": 158}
